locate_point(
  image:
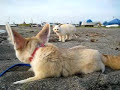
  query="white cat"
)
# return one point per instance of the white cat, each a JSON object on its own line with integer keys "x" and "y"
{"x": 65, "y": 31}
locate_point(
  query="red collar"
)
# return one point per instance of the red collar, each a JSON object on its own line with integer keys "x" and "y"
{"x": 33, "y": 54}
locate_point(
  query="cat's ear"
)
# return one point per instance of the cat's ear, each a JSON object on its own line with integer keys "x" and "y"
{"x": 17, "y": 40}
{"x": 59, "y": 25}
{"x": 44, "y": 34}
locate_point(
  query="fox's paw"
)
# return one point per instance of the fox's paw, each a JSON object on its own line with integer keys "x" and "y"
{"x": 18, "y": 82}
{"x": 30, "y": 69}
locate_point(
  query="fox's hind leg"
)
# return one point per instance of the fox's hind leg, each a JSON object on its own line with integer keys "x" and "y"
{"x": 88, "y": 68}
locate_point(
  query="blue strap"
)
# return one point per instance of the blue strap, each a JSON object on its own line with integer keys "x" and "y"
{"x": 21, "y": 64}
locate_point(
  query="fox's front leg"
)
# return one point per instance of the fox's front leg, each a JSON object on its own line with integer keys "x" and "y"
{"x": 27, "y": 80}
{"x": 36, "y": 77}
{"x": 30, "y": 69}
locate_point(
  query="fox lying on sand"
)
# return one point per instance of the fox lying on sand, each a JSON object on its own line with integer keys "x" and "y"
{"x": 65, "y": 31}
{"x": 47, "y": 60}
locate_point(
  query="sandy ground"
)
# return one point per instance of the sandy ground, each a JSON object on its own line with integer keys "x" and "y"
{"x": 106, "y": 40}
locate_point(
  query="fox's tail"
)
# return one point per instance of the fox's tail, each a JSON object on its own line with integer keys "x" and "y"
{"x": 112, "y": 61}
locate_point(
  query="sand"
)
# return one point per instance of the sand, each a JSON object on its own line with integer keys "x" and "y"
{"x": 106, "y": 40}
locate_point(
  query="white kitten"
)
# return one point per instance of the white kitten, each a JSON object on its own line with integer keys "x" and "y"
{"x": 65, "y": 31}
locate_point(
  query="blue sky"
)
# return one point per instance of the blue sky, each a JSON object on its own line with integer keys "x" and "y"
{"x": 64, "y": 11}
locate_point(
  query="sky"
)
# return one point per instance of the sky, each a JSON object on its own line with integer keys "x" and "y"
{"x": 63, "y": 11}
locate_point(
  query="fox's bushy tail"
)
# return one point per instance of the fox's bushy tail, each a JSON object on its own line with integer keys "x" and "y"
{"x": 112, "y": 61}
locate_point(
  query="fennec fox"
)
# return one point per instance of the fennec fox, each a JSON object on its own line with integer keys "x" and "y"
{"x": 65, "y": 31}
{"x": 47, "y": 60}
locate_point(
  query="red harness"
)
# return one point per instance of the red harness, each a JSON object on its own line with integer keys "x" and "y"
{"x": 33, "y": 54}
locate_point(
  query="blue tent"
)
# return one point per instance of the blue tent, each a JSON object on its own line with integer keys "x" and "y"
{"x": 114, "y": 21}
{"x": 89, "y": 21}
{"x": 105, "y": 23}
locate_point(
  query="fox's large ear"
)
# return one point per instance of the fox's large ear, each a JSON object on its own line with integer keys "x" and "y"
{"x": 44, "y": 34}
{"x": 17, "y": 40}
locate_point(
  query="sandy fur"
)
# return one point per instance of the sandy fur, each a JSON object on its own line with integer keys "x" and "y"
{"x": 51, "y": 61}
{"x": 112, "y": 61}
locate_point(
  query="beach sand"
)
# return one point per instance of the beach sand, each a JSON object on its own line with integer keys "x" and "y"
{"x": 106, "y": 40}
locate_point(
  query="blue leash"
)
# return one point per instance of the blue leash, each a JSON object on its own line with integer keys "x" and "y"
{"x": 21, "y": 64}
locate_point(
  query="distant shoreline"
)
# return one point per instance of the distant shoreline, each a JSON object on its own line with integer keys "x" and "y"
{"x": 2, "y": 25}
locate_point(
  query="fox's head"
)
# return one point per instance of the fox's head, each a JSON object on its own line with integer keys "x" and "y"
{"x": 24, "y": 47}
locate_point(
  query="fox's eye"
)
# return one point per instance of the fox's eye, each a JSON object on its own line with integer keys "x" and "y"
{"x": 57, "y": 29}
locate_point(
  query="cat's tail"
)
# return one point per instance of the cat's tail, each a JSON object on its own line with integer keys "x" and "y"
{"x": 111, "y": 61}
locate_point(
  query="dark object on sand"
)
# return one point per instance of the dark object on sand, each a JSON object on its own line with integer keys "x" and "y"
{"x": 93, "y": 40}
{"x": 21, "y": 64}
